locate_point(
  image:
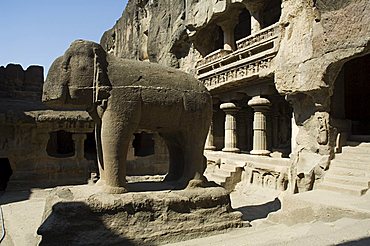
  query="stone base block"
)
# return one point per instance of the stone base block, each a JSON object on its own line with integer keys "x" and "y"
{"x": 83, "y": 215}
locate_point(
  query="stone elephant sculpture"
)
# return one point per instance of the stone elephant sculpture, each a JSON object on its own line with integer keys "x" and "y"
{"x": 123, "y": 96}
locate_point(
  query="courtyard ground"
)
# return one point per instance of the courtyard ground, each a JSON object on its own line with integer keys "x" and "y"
{"x": 312, "y": 218}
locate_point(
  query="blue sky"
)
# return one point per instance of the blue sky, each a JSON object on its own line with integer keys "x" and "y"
{"x": 35, "y": 32}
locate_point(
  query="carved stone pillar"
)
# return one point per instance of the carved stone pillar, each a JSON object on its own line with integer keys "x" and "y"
{"x": 255, "y": 9}
{"x": 79, "y": 142}
{"x": 261, "y": 106}
{"x": 256, "y": 22}
{"x": 228, "y": 27}
{"x": 295, "y": 130}
{"x": 210, "y": 141}
{"x": 230, "y": 110}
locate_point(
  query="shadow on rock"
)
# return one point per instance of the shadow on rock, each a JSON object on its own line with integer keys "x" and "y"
{"x": 359, "y": 242}
{"x": 7, "y": 197}
{"x": 146, "y": 186}
{"x": 255, "y": 212}
{"x": 73, "y": 223}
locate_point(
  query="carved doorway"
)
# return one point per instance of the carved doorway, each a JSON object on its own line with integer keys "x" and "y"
{"x": 351, "y": 98}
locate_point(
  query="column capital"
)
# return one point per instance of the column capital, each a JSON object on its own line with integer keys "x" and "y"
{"x": 229, "y": 23}
{"x": 259, "y": 102}
{"x": 229, "y": 107}
{"x": 254, "y": 5}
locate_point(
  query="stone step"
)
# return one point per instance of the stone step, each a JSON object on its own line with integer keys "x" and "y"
{"x": 228, "y": 167}
{"x": 220, "y": 176}
{"x": 353, "y": 157}
{"x": 218, "y": 180}
{"x": 355, "y": 164}
{"x": 358, "y": 144}
{"x": 226, "y": 173}
{"x": 342, "y": 188}
{"x": 359, "y": 138}
{"x": 356, "y": 150}
{"x": 347, "y": 171}
{"x": 357, "y": 181}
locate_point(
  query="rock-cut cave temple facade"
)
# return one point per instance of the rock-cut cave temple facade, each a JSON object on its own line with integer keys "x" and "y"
{"x": 288, "y": 79}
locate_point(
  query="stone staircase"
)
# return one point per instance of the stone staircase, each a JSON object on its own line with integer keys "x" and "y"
{"x": 350, "y": 170}
{"x": 227, "y": 175}
{"x": 226, "y": 169}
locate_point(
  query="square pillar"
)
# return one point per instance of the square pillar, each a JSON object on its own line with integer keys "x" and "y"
{"x": 79, "y": 142}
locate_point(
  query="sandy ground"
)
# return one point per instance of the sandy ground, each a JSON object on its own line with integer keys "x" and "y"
{"x": 22, "y": 213}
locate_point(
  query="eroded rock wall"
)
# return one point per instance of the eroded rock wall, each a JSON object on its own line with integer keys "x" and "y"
{"x": 317, "y": 38}
{"x": 150, "y": 30}
{"x": 22, "y": 84}
{"x": 164, "y": 31}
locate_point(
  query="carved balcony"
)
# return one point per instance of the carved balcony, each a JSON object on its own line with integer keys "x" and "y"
{"x": 252, "y": 58}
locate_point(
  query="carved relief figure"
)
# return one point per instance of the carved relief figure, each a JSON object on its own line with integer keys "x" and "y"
{"x": 123, "y": 96}
{"x": 322, "y": 135}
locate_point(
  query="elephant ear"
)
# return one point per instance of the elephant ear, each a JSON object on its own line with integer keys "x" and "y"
{"x": 101, "y": 79}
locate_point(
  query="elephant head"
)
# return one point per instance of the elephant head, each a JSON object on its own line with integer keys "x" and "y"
{"x": 73, "y": 78}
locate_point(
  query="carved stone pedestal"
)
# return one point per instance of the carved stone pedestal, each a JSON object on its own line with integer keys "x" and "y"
{"x": 83, "y": 215}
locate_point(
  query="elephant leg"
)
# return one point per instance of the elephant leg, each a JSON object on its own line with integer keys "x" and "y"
{"x": 195, "y": 162}
{"x": 195, "y": 136}
{"x": 176, "y": 157}
{"x": 117, "y": 129}
{"x": 99, "y": 154}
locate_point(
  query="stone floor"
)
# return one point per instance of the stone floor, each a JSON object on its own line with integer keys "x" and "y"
{"x": 312, "y": 218}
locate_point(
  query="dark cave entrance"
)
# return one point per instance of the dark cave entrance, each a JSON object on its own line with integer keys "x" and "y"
{"x": 5, "y": 173}
{"x": 351, "y": 100}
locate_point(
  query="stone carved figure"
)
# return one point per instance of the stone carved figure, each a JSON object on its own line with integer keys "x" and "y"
{"x": 322, "y": 135}
{"x": 125, "y": 95}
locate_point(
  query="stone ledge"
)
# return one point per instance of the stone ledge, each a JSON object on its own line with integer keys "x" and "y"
{"x": 83, "y": 215}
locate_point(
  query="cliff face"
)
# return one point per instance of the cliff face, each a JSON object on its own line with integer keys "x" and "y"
{"x": 150, "y": 30}
{"x": 164, "y": 31}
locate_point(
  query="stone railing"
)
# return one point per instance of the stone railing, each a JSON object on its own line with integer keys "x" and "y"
{"x": 213, "y": 57}
{"x": 254, "y": 55}
{"x": 264, "y": 35}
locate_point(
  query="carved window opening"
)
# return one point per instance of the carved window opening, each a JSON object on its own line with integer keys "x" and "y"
{"x": 350, "y": 100}
{"x": 271, "y": 13}
{"x": 90, "y": 146}
{"x": 243, "y": 28}
{"x": 60, "y": 144}
{"x": 143, "y": 144}
{"x": 210, "y": 39}
{"x": 5, "y": 173}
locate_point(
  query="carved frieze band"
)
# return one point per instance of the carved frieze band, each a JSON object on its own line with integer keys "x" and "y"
{"x": 238, "y": 73}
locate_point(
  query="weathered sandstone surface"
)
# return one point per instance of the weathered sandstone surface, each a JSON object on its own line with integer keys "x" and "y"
{"x": 83, "y": 215}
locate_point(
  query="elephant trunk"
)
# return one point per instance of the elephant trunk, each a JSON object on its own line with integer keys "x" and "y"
{"x": 55, "y": 90}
